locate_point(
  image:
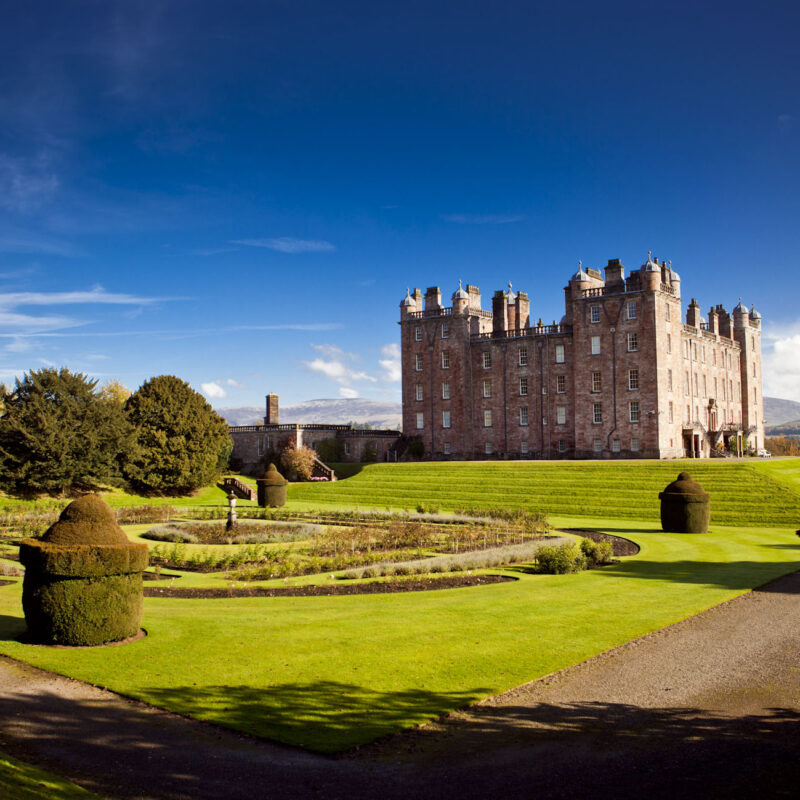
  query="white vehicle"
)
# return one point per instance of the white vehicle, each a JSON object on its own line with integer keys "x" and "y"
{"x": 764, "y": 453}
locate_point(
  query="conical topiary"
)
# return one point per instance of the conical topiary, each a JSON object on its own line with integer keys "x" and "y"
{"x": 272, "y": 488}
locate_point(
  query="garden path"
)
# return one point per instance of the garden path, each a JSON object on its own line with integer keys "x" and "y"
{"x": 709, "y": 707}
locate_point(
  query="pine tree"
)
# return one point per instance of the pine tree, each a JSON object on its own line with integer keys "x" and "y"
{"x": 57, "y": 434}
{"x": 182, "y": 443}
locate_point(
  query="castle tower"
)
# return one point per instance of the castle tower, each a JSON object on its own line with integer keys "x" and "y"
{"x": 747, "y": 332}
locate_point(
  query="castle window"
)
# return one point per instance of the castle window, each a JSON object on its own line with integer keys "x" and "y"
{"x": 445, "y": 330}
{"x": 261, "y": 447}
{"x": 705, "y": 386}
{"x": 487, "y": 359}
{"x": 487, "y": 388}
{"x": 714, "y": 358}
{"x": 634, "y": 410}
{"x": 694, "y": 351}
{"x": 445, "y": 391}
{"x": 487, "y": 448}
{"x": 633, "y": 379}
{"x": 754, "y": 369}
{"x": 595, "y": 345}
{"x": 559, "y": 354}
{"x": 418, "y": 362}
{"x": 597, "y": 413}
{"x": 347, "y": 448}
{"x": 635, "y": 445}
{"x": 669, "y": 380}
{"x": 687, "y": 385}
{"x": 703, "y": 354}
{"x": 445, "y": 359}
{"x": 696, "y": 385}
{"x": 667, "y": 312}
{"x": 561, "y": 384}
{"x": 561, "y": 415}
{"x": 523, "y": 386}
{"x": 688, "y": 414}
{"x": 418, "y": 333}
{"x": 419, "y": 391}
{"x": 671, "y": 412}
{"x": 685, "y": 348}
{"x": 420, "y": 421}
{"x": 594, "y": 313}
{"x": 669, "y": 343}
{"x": 631, "y": 311}
{"x": 598, "y": 445}
{"x": 487, "y": 418}
{"x": 447, "y": 448}
{"x": 633, "y": 342}
{"x": 597, "y": 382}
{"x": 562, "y": 445}
{"x": 445, "y": 419}
{"x": 523, "y": 448}
{"x": 523, "y": 356}
{"x": 523, "y": 415}
{"x": 615, "y": 445}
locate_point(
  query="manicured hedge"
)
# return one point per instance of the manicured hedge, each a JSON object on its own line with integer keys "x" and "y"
{"x": 83, "y": 611}
{"x": 82, "y": 560}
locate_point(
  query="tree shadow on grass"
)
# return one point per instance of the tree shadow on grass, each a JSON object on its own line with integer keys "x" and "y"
{"x": 11, "y": 628}
{"x": 720, "y": 574}
{"x": 325, "y": 716}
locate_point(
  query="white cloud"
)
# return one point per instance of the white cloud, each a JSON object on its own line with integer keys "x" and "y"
{"x": 483, "y": 219}
{"x": 95, "y": 295}
{"x": 213, "y": 390}
{"x": 390, "y": 362}
{"x": 333, "y": 364}
{"x": 781, "y": 361}
{"x": 286, "y": 244}
{"x": 344, "y": 391}
{"x": 234, "y": 384}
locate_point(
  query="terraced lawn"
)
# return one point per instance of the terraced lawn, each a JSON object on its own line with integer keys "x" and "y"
{"x": 328, "y": 673}
{"x": 742, "y": 492}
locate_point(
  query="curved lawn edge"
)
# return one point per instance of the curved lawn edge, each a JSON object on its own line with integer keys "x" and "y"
{"x": 331, "y": 673}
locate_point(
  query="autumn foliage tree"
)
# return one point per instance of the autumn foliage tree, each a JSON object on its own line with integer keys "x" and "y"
{"x": 182, "y": 443}
{"x": 298, "y": 462}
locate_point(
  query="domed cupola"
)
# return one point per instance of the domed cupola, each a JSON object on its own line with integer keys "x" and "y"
{"x": 674, "y": 277}
{"x": 740, "y": 308}
{"x": 581, "y": 274}
{"x": 408, "y": 300}
{"x": 754, "y": 315}
{"x": 460, "y": 294}
{"x": 650, "y": 265}
{"x": 510, "y": 296}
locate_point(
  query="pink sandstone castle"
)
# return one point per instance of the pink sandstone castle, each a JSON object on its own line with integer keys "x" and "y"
{"x": 622, "y": 375}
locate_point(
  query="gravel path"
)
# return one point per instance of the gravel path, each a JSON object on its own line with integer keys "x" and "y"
{"x": 709, "y": 707}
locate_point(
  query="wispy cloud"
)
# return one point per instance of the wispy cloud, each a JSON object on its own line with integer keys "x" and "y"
{"x": 781, "y": 360}
{"x": 300, "y": 326}
{"x": 213, "y": 251}
{"x": 34, "y": 243}
{"x": 95, "y": 295}
{"x": 483, "y": 219}
{"x": 286, "y": 244}
{"x": 334, "y": 365}
{"x": 26, "y": 184}
{"x": 390, "y": 363}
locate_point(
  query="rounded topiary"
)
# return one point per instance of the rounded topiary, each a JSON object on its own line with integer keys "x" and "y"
{"x": 83, "y": 578}
{"x": 272, "y": 488}
{"x": 685, "y": 506}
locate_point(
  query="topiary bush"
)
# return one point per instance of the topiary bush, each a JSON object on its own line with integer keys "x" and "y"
{"x": 83, "y": 578}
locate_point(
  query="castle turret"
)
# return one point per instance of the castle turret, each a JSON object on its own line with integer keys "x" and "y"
{"x": 651, "y": 273}
{"x": 460, "y": 300}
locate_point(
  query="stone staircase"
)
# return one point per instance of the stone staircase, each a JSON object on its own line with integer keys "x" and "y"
{"x": 242, "y": 490}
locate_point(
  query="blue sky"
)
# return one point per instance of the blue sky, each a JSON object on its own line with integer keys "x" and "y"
{"x": 239, "y": 193}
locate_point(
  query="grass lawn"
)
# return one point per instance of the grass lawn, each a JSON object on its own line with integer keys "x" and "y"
{"x": 743, "y": 492}
{"x": 24, "y": 782}
{"x": 328, "y": 673}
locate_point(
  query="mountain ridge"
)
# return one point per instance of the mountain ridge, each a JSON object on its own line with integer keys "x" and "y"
{"x": 336, "y": 411}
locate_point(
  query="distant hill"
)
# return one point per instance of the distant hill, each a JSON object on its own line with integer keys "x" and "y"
{"x": 337, "y": 411}
{"x": 778, "y": 412}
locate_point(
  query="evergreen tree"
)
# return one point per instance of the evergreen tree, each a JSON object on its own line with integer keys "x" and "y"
{"x": 57, "y": 433}
{"x": 182, "y": 443}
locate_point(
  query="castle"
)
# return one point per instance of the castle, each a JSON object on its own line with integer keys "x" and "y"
{"x": 621, "y": 376}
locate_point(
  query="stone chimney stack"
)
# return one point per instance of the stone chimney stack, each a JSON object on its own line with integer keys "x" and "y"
{"x": 693, "y": 314}
{"x": 713, "y": 321}
{"x": 433, "y": 299}
{"x": 499, "y": 318}
{"x": 271, "y": 417}
{"x": 523, "y": 310}
{"x": 615, "y": 275}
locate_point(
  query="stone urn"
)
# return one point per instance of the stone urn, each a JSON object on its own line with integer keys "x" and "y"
{"x": 83, "y": 578}
{"x": 272, "y": 488}
{"x": 685, "y": 506}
